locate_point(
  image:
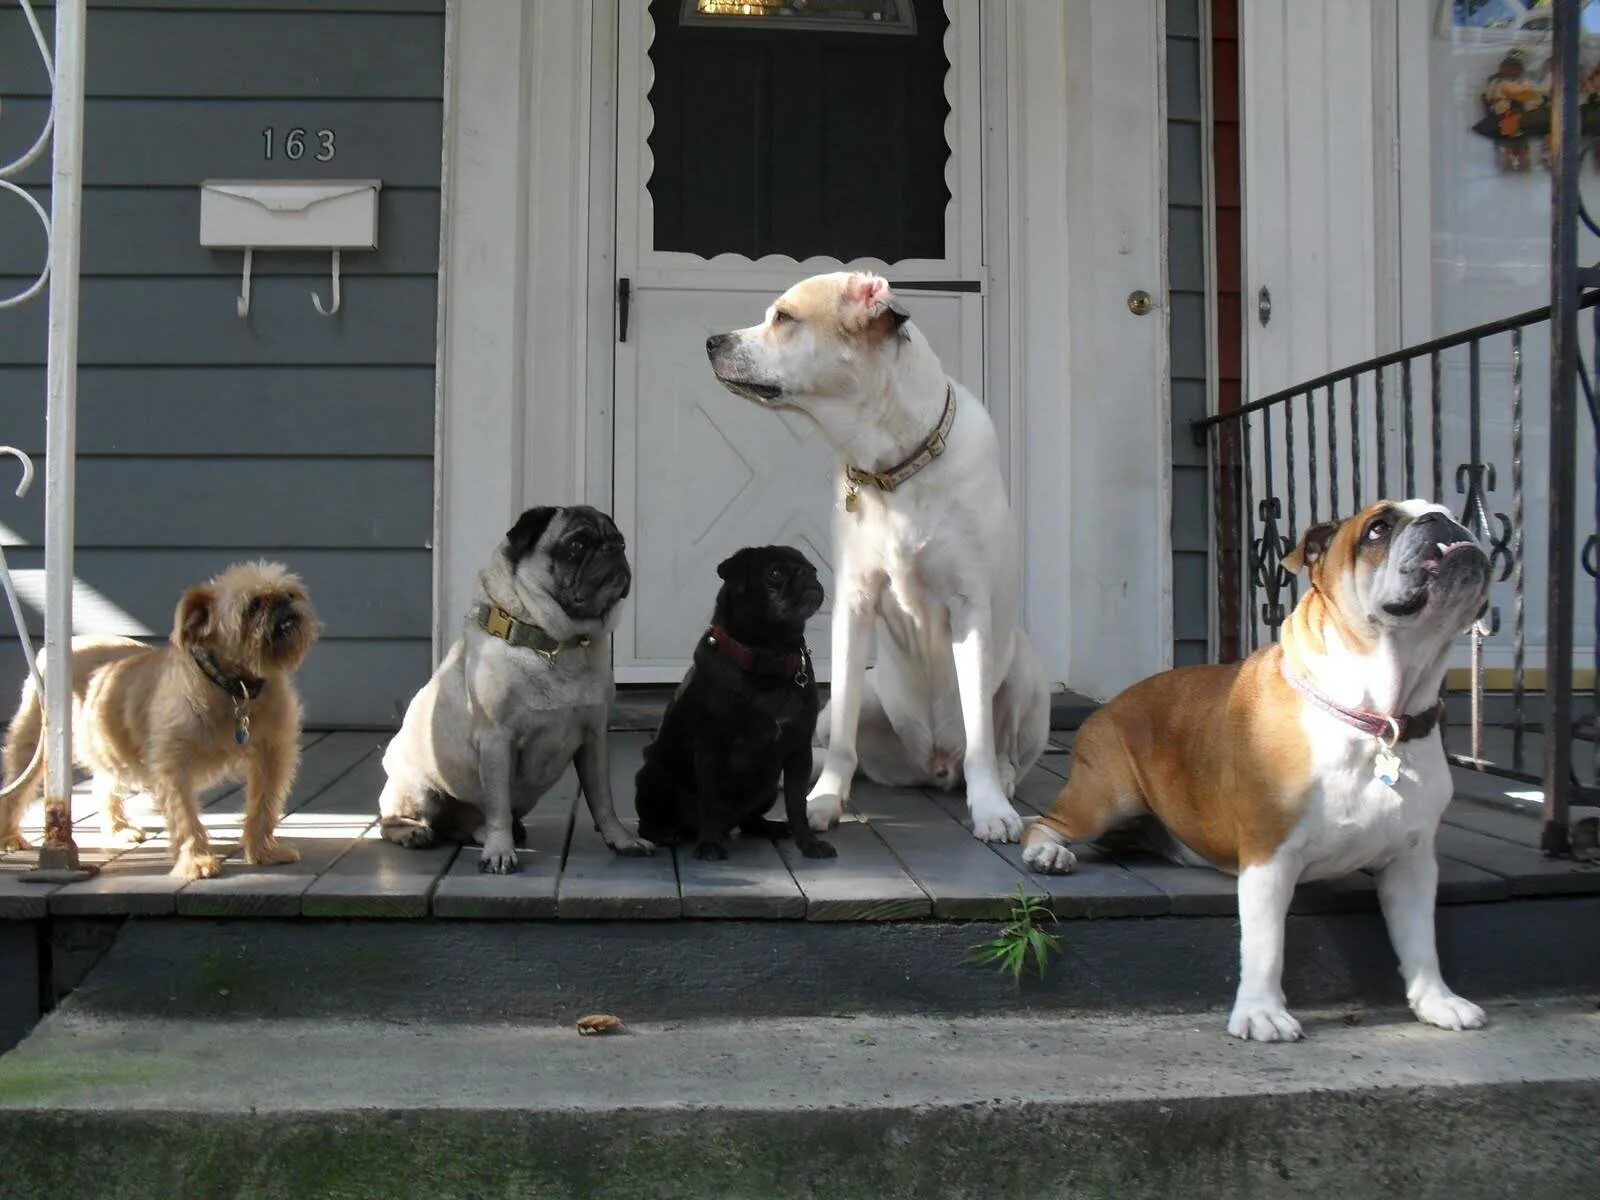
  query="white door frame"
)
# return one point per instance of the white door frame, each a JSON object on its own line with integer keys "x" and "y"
{"x": 973, "y": 190}
{"x": 1076, "y": 219}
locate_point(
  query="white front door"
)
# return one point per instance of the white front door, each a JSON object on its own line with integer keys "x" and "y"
{"x": 752, "y": 152}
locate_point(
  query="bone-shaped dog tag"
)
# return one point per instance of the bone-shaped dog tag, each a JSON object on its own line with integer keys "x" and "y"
{"x": 1386, "y": 768}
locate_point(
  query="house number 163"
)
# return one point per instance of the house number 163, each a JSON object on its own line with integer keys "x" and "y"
{"x": 294, "y": 144}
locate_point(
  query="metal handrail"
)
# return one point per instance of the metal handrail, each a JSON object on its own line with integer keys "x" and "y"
{"x": 1438, "y": 345}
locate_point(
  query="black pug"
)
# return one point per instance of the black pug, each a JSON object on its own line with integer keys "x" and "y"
{"x": 743, "y": 715}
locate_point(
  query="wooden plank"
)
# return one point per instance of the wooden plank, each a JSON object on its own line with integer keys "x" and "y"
{"x": 1460, "y": 883}
{"x": 134, "y": 592}
{"x": 375, "y": 878}
{"x": 137, "y": 881}
{"x": 396, "y": 141}
{"x": 225, "y": 55}
{"x": 1190, "y": 891}
{"x": 1056, "y": 762}
{"x": 530, "y": 893}
{"x": 1100, "y": 886}
{"x": 1518, "y": 828}
{"x": 866, "y": 882}
{"x": 753, "y": 882}
{"x": 22, "y": 901}
{"x": 595, "y": 883}
{"x": 153, "y": 232}
{"x": 244, "y": 411}
{"x": 130, "y": 322}
{"x": 964, "y": 879}
{"x": 323, "y": 817}
{"x": 1526, "y": 871}
{"x": 1357, "y": 892}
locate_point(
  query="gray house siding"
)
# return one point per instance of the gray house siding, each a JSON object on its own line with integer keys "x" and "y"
{"x": 1186, "y": 242}
{"x": 204, "y": 438}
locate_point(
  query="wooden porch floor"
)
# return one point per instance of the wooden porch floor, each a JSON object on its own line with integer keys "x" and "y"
{"x": 903, "y": 855}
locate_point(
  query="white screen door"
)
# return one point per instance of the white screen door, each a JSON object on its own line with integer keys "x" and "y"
{"x": 752, "y": 152}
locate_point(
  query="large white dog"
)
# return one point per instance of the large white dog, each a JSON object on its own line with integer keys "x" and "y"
{"x": 924, "y": 541}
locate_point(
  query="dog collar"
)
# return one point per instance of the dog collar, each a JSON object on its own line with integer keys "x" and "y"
{"x": 497, "y": 622}
{"x": 886, "y": 481}
{"x": 239, "y": 688}
{"x": 1407, "y": 727}
{"x": 761, "y": 662}
{"x": 237, "y": 685}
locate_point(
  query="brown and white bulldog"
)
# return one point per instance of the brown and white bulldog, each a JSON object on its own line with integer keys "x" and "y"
{"x": 1316, "y": 756}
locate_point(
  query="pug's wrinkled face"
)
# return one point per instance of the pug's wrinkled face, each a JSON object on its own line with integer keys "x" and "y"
{"x": 820, "y": 342}
{"x": 1399, "y": 566}
{"x": 575, "y": 555}
{"x": 767, "y": 590}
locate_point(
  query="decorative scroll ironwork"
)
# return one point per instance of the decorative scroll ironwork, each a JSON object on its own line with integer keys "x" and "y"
{"x": 1267, "y": 553}
{"x": 17, "y": 165}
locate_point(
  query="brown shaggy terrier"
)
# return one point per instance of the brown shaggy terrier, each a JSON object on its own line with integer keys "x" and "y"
{"x": 218, "y": 702}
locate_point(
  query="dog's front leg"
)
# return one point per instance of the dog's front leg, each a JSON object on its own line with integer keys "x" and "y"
{"x": 594, "y": 777}
{"x": 796, "y": 775}
{"x": 496, "y": 762}
{"x": 190, "y": 842}
{"x": 711, "y": 815}
{"x": 272, "y": 771}
{"x": 1259, "y": 1012}
{"x": 854, "y": 609}
{"x": 1406, "y": 891}
{"x": 971, "y": 637}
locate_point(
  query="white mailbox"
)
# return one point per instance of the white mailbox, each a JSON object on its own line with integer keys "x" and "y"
{"x": 289, "y": 214}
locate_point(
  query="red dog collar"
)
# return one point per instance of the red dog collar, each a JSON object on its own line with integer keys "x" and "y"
{"x": 1405, "y": 728}
{"x": 763, "y": 662}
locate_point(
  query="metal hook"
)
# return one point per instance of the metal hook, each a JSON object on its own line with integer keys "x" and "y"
{"x": 243, "y": 303}
{"x": 27, "y": 468}
{"x": 317, "y": 300}
{"x": 17, "y": 617}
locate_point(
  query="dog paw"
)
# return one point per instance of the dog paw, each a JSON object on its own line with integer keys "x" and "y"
{"x": 270, "y": 853}
{"x": 499, "y": 857}
{"x": 1448, "y": 1011}
{"x": 122, "y": 835}
{"x": 994, "y": 821}
{"x": 823, "y": 812}
{"x": 1049, "y": 858}
{"x": 710, "y": 852}
{"x": 761, "y": 827}
{"x": 815, "y": 847}
{"x": 190, "y": 867}
{"x": 632, "y": 847}
{"x": 412, "y": 837}
{"x": 1263, "y": 1021}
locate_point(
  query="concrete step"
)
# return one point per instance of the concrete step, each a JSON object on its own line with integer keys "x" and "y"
{"x": 880, "y": 1107}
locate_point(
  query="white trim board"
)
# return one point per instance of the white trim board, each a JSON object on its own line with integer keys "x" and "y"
{"x": 1077, "y": 220}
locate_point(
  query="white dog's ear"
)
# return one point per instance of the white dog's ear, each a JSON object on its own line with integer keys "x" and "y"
{"x": 1313, "y": 545}
{"x": 870, "y": 307}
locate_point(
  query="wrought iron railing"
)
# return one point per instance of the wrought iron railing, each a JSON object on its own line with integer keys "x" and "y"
{"x": 1392, "y": 425}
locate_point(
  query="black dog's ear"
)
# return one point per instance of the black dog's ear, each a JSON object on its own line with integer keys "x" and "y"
{"x": 522, "y": 537}
{"x": 735, "y": 564}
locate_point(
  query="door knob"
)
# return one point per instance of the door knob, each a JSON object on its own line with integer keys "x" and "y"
{"x": 1140, "y": 303}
